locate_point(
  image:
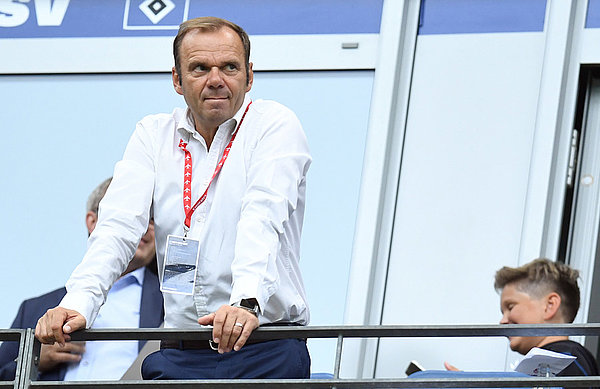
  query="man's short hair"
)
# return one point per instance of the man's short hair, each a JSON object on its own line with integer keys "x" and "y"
{"x": 210, "y": 23}
{"x": 540, "y": 277}
{"x": 97, "y": 194}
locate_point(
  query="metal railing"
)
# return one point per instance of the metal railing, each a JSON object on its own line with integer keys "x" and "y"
{"x": 30, "y": 348}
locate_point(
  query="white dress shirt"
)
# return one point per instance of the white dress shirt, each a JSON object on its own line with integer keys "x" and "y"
{"x": 249, "y": 227}
{"x": 109, "y": 360}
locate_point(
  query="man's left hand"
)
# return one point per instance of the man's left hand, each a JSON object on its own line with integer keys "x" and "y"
{"x": 231, "y": 327}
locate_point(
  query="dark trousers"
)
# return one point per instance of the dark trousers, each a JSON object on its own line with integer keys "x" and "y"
{"x": 285, "y": 358}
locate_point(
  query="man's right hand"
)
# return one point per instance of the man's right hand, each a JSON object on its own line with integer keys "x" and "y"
{"x": 53, "y": 355}
{"x": 56, "y": 325}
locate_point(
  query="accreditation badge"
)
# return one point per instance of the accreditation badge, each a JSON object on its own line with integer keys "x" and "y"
{"x": 179, "y": 270}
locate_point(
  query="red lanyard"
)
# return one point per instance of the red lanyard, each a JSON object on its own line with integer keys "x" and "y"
{"x": 187, "y": 174}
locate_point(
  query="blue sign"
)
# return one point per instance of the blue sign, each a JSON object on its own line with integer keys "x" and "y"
{"x": 123, "y": 18}
{"x": 592, "y": 19}
{"x": 481, "y": 16}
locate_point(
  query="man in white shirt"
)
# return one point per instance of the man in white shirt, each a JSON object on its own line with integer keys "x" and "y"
{"x": 225, "y": 179}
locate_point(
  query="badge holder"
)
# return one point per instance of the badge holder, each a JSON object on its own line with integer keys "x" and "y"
{"x": 179, "y": 270}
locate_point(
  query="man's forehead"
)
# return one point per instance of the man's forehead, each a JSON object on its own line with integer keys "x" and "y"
{"x": 224, "y": 50}
{"x": 226, "y": 37}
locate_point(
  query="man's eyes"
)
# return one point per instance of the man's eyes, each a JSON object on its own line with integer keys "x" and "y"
{"x": 230, "y": 67}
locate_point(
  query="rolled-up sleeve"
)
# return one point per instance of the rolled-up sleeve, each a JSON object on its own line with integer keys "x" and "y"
{"x": 123, "y": 220}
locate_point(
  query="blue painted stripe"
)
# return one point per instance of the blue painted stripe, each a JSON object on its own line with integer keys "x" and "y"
{"x": 297, "y": 17}
{"x": 481, "y": 16}
{"x": 93, "y": 18}
{"x": 592, "y": 19}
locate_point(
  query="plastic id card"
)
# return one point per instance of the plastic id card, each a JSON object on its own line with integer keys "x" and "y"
{"x": 179, "y": 270}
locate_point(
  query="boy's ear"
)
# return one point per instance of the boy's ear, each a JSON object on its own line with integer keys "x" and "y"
{"x": 551, "y": 313}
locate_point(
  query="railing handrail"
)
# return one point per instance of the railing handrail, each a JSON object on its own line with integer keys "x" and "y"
{"x": 30, "y": 347}
{"x": 349, "y": 331}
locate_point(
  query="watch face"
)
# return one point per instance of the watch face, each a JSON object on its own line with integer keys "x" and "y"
{"x": 249, "y": 303}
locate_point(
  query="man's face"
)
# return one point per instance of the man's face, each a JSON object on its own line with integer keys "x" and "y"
{"x": 145, "y": 252}
{"x": 520, "y": 308}
{"x": 213, "y": 76}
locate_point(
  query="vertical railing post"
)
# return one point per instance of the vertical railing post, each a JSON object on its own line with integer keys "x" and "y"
{"x": 29, "y": 359}
{"x": 338, "y": 358}
{"x": 22, "y": 345}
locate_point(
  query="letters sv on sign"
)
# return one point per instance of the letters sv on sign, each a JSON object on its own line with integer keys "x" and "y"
{"x": 14, "y": 13}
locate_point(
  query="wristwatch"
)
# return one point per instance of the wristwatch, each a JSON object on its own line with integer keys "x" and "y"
{"x": 250, "y": 305}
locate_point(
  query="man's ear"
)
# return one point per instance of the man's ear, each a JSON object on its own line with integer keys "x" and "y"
{"x": 551, "y": 312}
{"x": 250, "y": 78}
{"x": 90, "y": 221}
{"x": 176, "y": 81}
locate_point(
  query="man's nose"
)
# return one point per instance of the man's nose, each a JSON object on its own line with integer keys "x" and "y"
{"x": 504, "y": 319}
{"x": 214, "y": 78}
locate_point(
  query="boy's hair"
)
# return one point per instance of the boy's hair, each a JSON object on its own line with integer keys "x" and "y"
{"x": 540, "y": 277}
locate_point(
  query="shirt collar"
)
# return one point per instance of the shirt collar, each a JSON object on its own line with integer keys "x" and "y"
{"x": 186, "y": 124}
{"x": 238, "y": 115}
{"x": 137, "y": 274}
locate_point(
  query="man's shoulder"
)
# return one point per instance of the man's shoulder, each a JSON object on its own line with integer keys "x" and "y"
{"x": 272, "y": 114}
{"x": 270, "y": 106}
{"x": 161, "y": 120}
{"x": 56, "y": 294}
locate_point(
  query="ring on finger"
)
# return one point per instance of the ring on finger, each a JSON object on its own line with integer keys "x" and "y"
{"x": 238, "y": 324}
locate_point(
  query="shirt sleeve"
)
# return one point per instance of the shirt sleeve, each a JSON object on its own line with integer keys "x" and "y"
{"x": 276, "y": 172}
{"x": 122, "y": 221}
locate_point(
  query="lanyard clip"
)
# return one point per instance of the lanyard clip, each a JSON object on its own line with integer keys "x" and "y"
{"x": 185, "y": 231}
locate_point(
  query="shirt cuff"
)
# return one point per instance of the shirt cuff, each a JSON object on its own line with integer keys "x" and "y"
{"x": 82, "y": 304}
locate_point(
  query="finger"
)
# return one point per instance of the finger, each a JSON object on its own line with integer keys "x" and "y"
{"x": 233, "y": 328}
{"x": 40, "y": 333}
{"x": 225, "y": 331}
{"x": 61, "y": 355}
{"x": 54, "y": 325}
{"x": 450, "y": 367}
{"x": 218, "y": 322}
{"x": 250, "y": 325}
{"x": 207, "y": 320}
{"x": 68, "y": 357}
{"x": 243, "y": 334}
{"x": 74, "y": 323}
{"x": 74, "y": 347}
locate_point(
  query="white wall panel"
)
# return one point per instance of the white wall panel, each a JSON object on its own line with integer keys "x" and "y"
{"x": 155, "y": 54}
{"x": 462, "y": 191}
